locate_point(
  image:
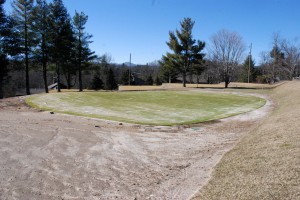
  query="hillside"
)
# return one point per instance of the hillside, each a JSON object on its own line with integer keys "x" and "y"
{"x": 266, "y": 163}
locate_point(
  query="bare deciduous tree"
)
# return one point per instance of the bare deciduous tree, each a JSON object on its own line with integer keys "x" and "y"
{"x": 292, "y": 57}
{"x": 283, "y": 60}
{"x": 226, "y": 50}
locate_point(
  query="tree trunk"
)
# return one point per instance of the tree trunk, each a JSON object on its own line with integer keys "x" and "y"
{"x": 44, "y": 60}
{"x": 208, "y": 79}
{"x": 26, "y": 57}
{"x": 3, "y": 74}
{"x": 184, "y": 79}
{"x": 80, "y": 78}
{"x": 227, "y": 76}
{"x": 191, "y": 78}
{"x": 58, "y": 76}
{"x": 226, "y": 84}
{"x": 1, "y": 85}
{"x": 79, "y": 63}
{"x": 27, "y": 74}
{"x": 68, "y": 79}
{"x": 27, "y": 68}
{"x": 45, "y": 77}
{"x": 227, "y": 80}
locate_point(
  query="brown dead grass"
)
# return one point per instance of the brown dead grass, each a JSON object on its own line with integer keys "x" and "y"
{"x": 236, "y": 85}
{"x": 167, "y": 86}
{"x": 266, "y": 163}
{"x": 138, "y": 87}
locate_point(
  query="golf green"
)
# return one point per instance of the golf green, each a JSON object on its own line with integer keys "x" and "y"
{"x": 150, "y": 107}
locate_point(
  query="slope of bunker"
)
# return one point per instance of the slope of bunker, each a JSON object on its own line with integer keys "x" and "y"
{"x": 57, "y": 156}
{"x": 265, "y": 164}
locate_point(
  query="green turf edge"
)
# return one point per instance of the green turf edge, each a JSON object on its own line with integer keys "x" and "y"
{"x": 124, "y": 120}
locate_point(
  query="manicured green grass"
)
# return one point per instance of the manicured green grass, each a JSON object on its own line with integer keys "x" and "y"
{"x": 154, "y": 108}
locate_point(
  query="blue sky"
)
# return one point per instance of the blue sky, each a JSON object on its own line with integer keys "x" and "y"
{"x": 141, "y": 27}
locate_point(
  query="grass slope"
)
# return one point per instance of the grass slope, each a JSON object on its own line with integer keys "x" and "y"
{"x": 266, "y": 163}
{"x": 156, "y": 108}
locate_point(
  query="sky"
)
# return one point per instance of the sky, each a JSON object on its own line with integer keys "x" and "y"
{"x": 141, "y": 27}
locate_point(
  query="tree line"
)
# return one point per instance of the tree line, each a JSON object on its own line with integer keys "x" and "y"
{"x": 223, "y": 60}
{"x": 41, "y": 36}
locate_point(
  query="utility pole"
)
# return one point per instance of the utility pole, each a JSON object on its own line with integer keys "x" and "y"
{"x": 129, "y": 69}
{"x": 249, "y": 62}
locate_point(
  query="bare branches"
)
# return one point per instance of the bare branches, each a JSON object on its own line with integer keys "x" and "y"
{"x": 283, "y": 61}
{"x": 226, "y": 49}
{"x": 292, "y": 57}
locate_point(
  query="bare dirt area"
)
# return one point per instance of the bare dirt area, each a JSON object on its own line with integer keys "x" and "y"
{"x": 56, "y": 156}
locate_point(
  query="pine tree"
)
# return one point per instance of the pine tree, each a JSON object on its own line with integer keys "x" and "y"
{"x": 9, "y": 46}
{"x": 125, "y": 78}
{"x": 110, "y": 81}
{"x": 157, "y": 80}
{"x": 186, "y": 50}
{"x": 149, "y": 80}
{"x": 83, "y": 53}
{"x": 277, "y": 60}
{"x": 3, "y": 58}
{"x": 3, "y": 72}
{"x": 41, "y": 28}
{"x": 61, "y": 35}
{"x": 3, "y": 17}
{"x": 248, "y": 72}
{"x": 97, "y": 83}
{"x": 22, "y": 14}
{"x": 169, "y": 68}
{"x": 276, "y": 54}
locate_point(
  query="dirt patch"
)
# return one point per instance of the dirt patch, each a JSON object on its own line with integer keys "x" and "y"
{"x": 56, "y": 156}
